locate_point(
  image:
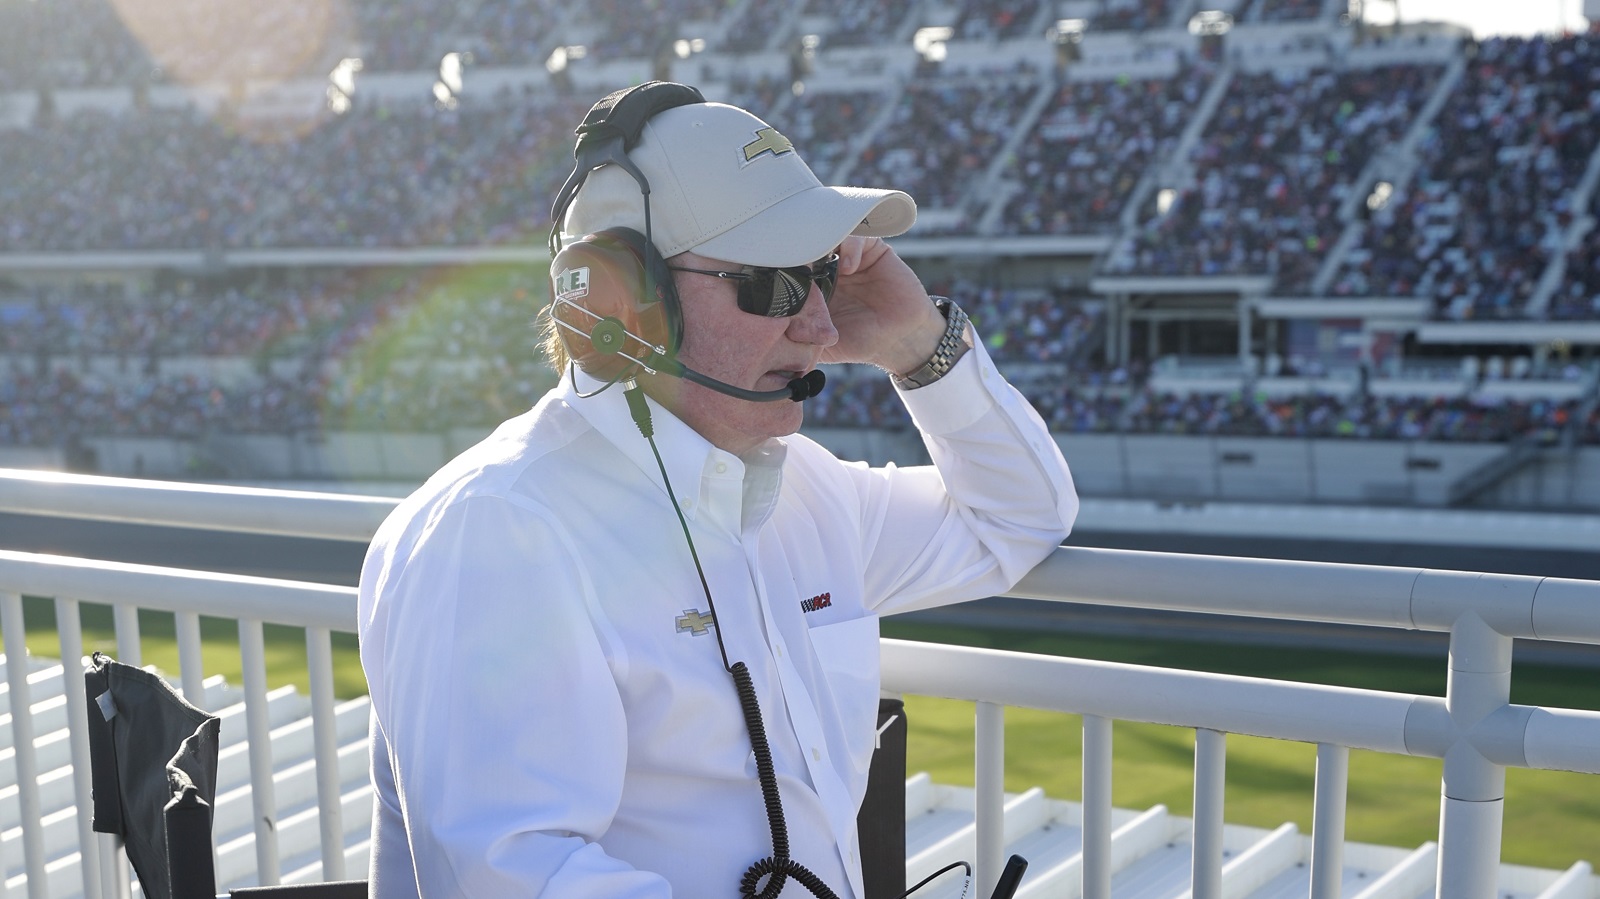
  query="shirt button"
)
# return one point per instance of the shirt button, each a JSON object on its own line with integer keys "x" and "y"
{"x": 722, "y": 468}
{"x": 816, "y": 755}
{"x": 777, "y": 651}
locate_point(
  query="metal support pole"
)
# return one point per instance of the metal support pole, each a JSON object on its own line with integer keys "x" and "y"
{"x": 1210, "y": 761}
{"x": 1096, "y": 868}
{"x": 1327, "y": 825}
{"x": 989, "y": 761}
{"x": 1472, "y": 807}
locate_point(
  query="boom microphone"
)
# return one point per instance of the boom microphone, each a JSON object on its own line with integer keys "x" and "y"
{"x": 607, "y": 337}
{"x": 799, "y": 389}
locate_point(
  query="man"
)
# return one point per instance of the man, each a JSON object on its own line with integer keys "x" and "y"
{"x": 550, "y": 624}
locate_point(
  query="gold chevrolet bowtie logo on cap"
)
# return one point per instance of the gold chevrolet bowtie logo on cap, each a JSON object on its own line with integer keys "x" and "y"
{"x": 768, "y": 140}
{"x": 695, "y": 623}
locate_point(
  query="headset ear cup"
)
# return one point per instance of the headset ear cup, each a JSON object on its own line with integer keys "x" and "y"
{"x": 604, "y": 273}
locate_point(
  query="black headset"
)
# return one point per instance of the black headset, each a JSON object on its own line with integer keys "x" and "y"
{"x": 613, "y": 301}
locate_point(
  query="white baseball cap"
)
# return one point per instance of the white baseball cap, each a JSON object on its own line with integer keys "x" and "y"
{"x": 730, "y": 187}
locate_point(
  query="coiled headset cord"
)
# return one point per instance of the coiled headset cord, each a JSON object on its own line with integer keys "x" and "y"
{"x": 778, "y": 867}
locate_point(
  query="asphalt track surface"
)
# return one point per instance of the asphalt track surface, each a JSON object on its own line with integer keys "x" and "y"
{"x": 336, "y": 562}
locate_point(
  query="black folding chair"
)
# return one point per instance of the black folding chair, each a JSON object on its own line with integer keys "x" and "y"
{"x": 153, "y": 764}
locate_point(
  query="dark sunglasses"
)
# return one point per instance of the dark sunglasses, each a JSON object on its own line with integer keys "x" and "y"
{"x": 778, "y": 292}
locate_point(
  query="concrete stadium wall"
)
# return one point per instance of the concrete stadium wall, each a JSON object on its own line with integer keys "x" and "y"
{"x": 1286, "y": 470}
{"x": 155, "y": 457}
{"x": 32, "y": 457}
{"x": 1559, "y": 481}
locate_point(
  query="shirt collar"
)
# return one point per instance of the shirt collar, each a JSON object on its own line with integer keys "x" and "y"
{"x": 695, "y": 467}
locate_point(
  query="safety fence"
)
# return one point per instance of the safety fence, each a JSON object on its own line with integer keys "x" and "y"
{"x": 1473, "y": 728}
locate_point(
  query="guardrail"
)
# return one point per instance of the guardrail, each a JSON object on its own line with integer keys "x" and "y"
{"x": 1474, "y": 728}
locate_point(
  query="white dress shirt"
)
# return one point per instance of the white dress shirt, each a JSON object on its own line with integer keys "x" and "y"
{"x": 551, "y": 714}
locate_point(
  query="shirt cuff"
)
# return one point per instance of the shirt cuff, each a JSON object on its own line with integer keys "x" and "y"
{"x": 957, "y": 400}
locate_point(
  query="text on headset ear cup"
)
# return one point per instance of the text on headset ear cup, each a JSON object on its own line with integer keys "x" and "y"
{"x": 605, "y": 273}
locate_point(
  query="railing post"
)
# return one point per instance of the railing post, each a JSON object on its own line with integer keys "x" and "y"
{"x": 989, "y": 760}
{"x": 125, "y": 619}
{"x": 191, "y": 664}
{"x": 1472, "y": 804}
{"x": 253, "y": 656}
{"x": 69, "y": 628}
{"x": 1210, "y": 761}
{"x": 1327, "y": 825}
{"x": 115, "y": 880}
{"x": 16, "y": 644}
{"x": 1096, "y": 867}
{"x": 319, "y": 662}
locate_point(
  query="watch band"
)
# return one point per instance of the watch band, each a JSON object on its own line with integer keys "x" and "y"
{"x": 953, "y": 344}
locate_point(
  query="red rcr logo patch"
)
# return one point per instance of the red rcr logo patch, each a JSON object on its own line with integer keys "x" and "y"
{"x": 820, "y": 601}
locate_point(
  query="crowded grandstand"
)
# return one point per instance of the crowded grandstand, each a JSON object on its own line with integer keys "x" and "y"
{"x": 1259, "y": 218}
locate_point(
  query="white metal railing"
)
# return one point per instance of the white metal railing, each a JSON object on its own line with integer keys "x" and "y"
{"x": 1474, "y": 728}
{"x": 252, "y": 601}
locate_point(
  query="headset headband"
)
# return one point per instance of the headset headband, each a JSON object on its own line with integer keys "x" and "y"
{"x": 612, "y": 127}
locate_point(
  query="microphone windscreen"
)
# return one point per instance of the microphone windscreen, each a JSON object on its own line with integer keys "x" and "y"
{"x": 804, "y": 388}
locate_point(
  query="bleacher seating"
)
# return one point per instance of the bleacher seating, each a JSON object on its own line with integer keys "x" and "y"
{"x": 1275, "y": 164}
{"x": 1135, "y": 15}
{"x": 1289, "y": 10}
{"x": 941, "y": 138}
{"x": 1492, "y": 192}
{"x": 980, "y": 20}
{"x": 1078, "y": 166}
{"x": 830, "y": 122}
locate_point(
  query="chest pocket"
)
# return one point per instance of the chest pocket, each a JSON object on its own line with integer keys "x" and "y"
{"x": 848, "y": 654}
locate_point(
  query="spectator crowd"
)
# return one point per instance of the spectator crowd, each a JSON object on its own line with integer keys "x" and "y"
{"x": 1078, "y": 166}
{"x": 942, "y": 136}
{"x": 1277, "y": 161}
{"x": 1489, "y": 202}
{"x": 427, "y": 349}
{"x": 438, "y": 349}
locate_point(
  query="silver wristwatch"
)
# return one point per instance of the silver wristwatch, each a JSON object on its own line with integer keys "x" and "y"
{"x": 953, "y": 344}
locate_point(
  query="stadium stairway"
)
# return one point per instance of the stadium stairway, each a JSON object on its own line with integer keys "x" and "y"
{"x": 1175, "y": 171}
{"x": 1570, "y": 237}
{"x": 1395, "y": 164}
{"x": 1150, "y": 848}
{"x": 992, "y": 184}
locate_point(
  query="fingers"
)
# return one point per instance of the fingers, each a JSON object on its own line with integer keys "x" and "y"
{"x": 858, "y": 253}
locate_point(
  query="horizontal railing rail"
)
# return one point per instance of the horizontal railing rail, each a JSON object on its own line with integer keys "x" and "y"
{"x": 294, "y": 513}
{"x": 1473, "y": 728}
